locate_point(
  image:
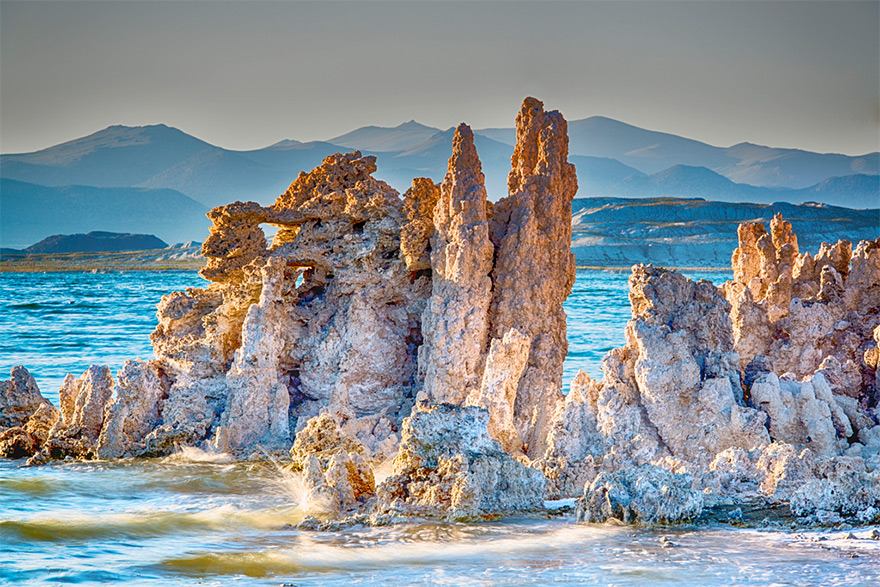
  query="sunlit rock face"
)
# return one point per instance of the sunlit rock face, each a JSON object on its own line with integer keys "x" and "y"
{"x": 329, "y": 314}
{"x": 800, "y": 314}
{"x": 494, "y": 328}
{"x": 83, "y": 403}
{"x": 456, "y": 319}
{"x": 534, "y": 268}
{"x": 25, "y": 415}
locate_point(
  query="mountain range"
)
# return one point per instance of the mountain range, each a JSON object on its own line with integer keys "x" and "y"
{"x": 164, "y": 179}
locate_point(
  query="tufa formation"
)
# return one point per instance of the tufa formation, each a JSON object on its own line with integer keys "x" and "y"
{"x": 426, "y": 336}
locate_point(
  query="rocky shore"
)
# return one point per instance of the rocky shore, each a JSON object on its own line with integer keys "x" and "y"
{"x": 426, "y": 334}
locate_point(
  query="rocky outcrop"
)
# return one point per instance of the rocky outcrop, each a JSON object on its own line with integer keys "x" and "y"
{"x": 133, "y": 412}
{"x": 449, "y": 467}
{"x": 678, "y": 368}
{"x": 456, "y": 319}
{"x": 19, "y": 398}
{"x": 796, "y": 313}
{"x": 323, "y": 338}
{"x": 337, "y": 469}
{"x": 83, "y": 402}
{"x": 645, "y": 494}
{"x": 415, "y": 236}
{"x": 25, "y": 415}
{"x": 534, "y": 268}
{"x": 505, "y": 364}
{"x": 803, "y": 413}
{"x": 575, "y": 448}
{"x": 767, "y": 396}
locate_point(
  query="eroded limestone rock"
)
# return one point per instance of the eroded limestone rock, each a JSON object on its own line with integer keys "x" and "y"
{"x": 762, "y": 397}
{"x": 799, "y": 311}
{"x": 338, "y": 471}
{"x": 765, "y": 389}
{"x": 19, "y": 398}
{"x": 455, "y": 325}
{"x": 415, "y": 236}
{"x": 645, "y": 493}
{"x": 133, "y": 412}
{"x": 803, "y": 413}
{"x": 575, "y": 448}
{"x": 83, "y": 402}
{"x": 26, "y": 417}
{"x": 534, "y": 267}
{"x": 449, "y": 467}
{"x": 505, "y": 364}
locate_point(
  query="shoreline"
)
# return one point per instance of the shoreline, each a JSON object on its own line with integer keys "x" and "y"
{"x": 99, "y": 262}
{"x": 106, "y": 262}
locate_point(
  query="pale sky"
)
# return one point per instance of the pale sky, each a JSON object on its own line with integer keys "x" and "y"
{"x": 243, "y": 75}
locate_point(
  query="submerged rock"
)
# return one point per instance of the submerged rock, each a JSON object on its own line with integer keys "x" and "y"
{"x": 449, "y": 467}
{"x": 645, "y": 493}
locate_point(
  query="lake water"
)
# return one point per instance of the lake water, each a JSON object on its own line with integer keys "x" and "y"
{"x": 196, "y": 519}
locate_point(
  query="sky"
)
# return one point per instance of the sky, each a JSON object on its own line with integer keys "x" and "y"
{"x": 243, "y": 75}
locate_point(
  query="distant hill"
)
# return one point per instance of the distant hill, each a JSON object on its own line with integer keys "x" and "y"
{"x": 118, "y": 156}
{"x": 30, "y": 212}
{"x": 678, "y": 232}
{"x": 96, "y": 241}
{"x": 613, "y": 159}
{"x": 386, "y": 139}
{"x": 651, "y": 151}
{"x": 683, "y": 181}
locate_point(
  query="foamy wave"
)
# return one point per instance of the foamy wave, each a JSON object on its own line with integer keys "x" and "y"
{"x": 192, "y": 454}
{"x": 312, "y": 556}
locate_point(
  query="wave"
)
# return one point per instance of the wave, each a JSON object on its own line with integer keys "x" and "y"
{"x": 310, "y": 556}
{"x": 150, "y": 524}
{"x": 33, "y": 486}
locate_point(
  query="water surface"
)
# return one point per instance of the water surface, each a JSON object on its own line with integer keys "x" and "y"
{"x": 195, "y": 518}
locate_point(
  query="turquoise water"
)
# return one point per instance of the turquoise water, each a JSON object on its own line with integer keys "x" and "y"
{"x": 59, "y": 323}
{"x": 197, "y": 519}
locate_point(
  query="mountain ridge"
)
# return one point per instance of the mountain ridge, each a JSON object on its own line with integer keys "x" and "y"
{"x": 159, "y": 156}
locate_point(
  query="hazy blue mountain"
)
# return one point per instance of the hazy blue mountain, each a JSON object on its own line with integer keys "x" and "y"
{"x": 768, "y": 166}
{"x": 216, "y": 176}
{"x": 651, "y": 151}
{"x": 431, "y": 158}
{"x": 603, "y": 175}
{"x": 612, "y": 159}
{"x": 32, "y": 212}
{"x": 96, "y": 241}
{"x": 646, "y": 150}
{"x": 684, "y": 181}
{"x": 114, "y": 157}
{"x": 678, "y": 232}
{"x": 385, "y": 139}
